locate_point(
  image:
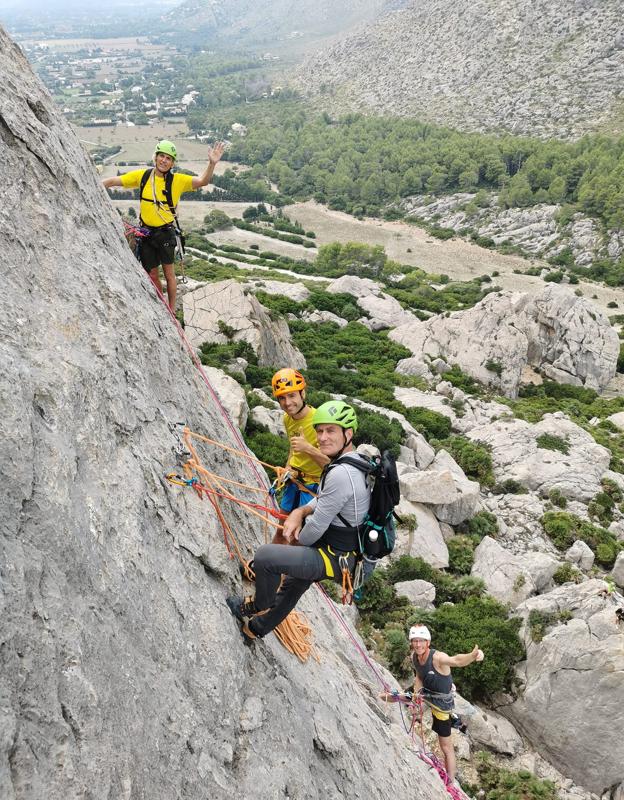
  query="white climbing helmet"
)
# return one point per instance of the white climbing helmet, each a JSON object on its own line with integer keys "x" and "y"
{"x": 419, "y": 632}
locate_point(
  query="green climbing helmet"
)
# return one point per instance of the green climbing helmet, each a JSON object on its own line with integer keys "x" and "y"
{"x": 335, "y": 412}
{"x": 166, "y": 147}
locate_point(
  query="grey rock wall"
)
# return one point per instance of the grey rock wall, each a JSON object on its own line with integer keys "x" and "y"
{"x": 122, "y": 674}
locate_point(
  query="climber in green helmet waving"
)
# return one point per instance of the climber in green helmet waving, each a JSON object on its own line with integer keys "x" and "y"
{"x": 159, "y": 191}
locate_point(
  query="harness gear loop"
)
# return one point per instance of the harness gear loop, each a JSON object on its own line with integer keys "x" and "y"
{"x": 347, "y": 586}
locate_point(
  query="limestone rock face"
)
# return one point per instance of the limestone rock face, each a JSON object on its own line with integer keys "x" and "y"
{"x": 122, "y": 672}
{"x": 226, "y": 303}
{"x": 324, "y": 316}
{"x": 520, "y": 452}
{"x": 577, "y": 665}
{"x": 570, "y": 340}
{"x": 510, "y": 578}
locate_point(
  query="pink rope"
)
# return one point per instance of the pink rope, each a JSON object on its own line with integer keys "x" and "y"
{"x": 233, "y": 429}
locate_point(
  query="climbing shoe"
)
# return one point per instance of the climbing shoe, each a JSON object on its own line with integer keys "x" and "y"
{"x": 241, "y": 607}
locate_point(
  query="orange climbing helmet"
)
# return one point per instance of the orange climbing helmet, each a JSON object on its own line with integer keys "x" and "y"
{"x": 287, "y": 380}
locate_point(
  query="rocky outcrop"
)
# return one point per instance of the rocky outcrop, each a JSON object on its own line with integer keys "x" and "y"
{"x": 420, "y": 536}
{"x": 535, "y": 230}
{"x": 420, "y": 593}
{"x": 231, "y": 394}
{"x": 555, "y": 453}
{"x": 561, "y": 334}
{"x": 382, "y": 309}
{"x": 550, "y": 68}
{"x": 510, "y": 578}
{"x": 122, "y": 672}
{"x": 294, "y": 291}
{"x": 222, "y": 312}
{"x": 577, "y": 665}
{"x": 519, "y": 527}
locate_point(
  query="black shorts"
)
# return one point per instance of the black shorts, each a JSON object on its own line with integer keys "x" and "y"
{"x": 441, "y": 726}
{"x": 158, "y": 248}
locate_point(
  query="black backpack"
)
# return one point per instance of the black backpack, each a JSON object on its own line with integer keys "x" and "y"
{"x": 377, "y": 533}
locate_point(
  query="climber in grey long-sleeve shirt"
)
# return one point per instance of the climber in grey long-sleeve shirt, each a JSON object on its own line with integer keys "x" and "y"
{"x": 318, "y": 534}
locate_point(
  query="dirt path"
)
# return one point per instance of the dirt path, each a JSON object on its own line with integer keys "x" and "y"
{"x": 457, "y": 258}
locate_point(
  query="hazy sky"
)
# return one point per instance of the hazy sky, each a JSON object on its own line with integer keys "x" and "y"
{"x": 61, "y": 6}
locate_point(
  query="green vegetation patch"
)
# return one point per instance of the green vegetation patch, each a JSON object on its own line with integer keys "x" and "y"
{"x": 564, "y": 529}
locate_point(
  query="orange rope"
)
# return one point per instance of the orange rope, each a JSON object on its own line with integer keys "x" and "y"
{"x": 295, "y": 631}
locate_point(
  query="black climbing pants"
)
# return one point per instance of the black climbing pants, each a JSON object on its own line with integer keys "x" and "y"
{"x": 301, "y": 566}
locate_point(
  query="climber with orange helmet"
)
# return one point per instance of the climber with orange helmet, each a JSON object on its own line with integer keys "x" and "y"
{"x": 305, "y": 460}
{"x": 159, "y": 192}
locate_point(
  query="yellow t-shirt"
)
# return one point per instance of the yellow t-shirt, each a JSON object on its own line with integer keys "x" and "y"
{"x": 151, "y": 214}
{"x": 302, "y": 461}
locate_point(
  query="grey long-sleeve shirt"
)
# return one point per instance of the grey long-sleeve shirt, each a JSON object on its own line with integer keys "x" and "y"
{"x": 344, "y": 492}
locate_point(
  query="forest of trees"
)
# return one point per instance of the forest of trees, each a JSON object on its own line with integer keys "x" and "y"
{"x": 362, "y": 165}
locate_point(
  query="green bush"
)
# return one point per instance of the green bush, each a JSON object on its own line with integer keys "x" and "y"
{"x": 495, "y": 367}
{"x": 431, "y": 424}
{"x": 267, "y": 446}
{"x": 498, "y": 783}
{"x": 540, "y": 621}
{"x": 567, "y": 573}
{"x": 483, "y": 621}
{"x": 548, "y": 441}
{"x": 564, "y": 529}
{"x": 473, "y": 457}
{"x": 557, "y": 499}
{"x": 509, "y": 486}
{"x": 482, "y": 524}
{"x": 461, "y": 554}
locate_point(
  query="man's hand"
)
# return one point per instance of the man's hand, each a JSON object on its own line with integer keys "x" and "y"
{"x": 299, "y": 444}
{"x": 292, "y": 525}
{"x": 215, "y": 153}
{"x": 477, "y": 654}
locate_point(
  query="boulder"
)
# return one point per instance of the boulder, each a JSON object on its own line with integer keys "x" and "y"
{"x": 563, "y": 335}
{"x": 406, "y": 456}
{"x": 231, "y": 395}
{"x": 294, "y": 291}
{"x": 224, "y": 305}
{"x": 522, "y": 451}
{"x": 421, "y": 537}
{"x": 384, "y": 311}
{"x": 617, "y": 573}
{"x": 434, "y": 487}
{"x": 576, "y": 666}
{"x": 271, "y": 419}
{"x": 467, "y": 500}
{"x": 420, "y": 593}
{"x": 356, "y": 287}
{"x": 413, "y": 366}
{"x": 323, "y": 316}
{"x": 581, "y": 555}
{"x": 510, "y": 578}
{"x": 489, "y": 729}
{"x": 617, "y": 420}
